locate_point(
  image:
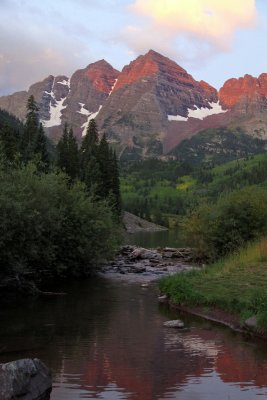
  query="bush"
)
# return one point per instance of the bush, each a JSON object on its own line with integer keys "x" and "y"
{"x": 219, "y": 229}
{"x": 47, "y": 225}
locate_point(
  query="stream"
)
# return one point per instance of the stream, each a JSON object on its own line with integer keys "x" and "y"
{"x": 106, "y": 340}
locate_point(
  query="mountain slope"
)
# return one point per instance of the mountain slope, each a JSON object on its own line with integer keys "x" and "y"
{"x": 148, "y": 90}
{"x": 147, "y": 109}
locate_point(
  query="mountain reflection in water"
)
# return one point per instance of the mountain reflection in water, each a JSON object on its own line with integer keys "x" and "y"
{"x": 105, "y": 340}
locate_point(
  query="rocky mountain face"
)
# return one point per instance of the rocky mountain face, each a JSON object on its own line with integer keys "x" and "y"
{"x": 74, "y": 100}
{"x": 148, "y": 108}
{"x": 150, "y": 92}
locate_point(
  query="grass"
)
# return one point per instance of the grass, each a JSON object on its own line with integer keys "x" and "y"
{"x": 236, "y": 284}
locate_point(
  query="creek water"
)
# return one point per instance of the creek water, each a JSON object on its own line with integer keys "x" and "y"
{"x": 170, "y": 238}
{"x": 106, "y": 340}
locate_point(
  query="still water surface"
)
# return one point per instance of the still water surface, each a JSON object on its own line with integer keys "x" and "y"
{"x": 170, "y": 238}
{"x": 105, "y": 340}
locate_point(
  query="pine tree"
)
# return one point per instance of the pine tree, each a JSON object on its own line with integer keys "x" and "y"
{"x": 116, "y": 182}
{"x": 88, "y": 147}
{"x": 10, "y": 143}
{"x": 30, "y": 131}
{"x": 103, "y": 157}
{"x": 110, "y": 185}
{"x": 68, "y": 153}
{"x": 73, "y": 156}
{"x": 40, "y": 150}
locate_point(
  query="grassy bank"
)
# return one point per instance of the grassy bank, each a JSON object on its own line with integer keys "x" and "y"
{"x": 238, "y": 284}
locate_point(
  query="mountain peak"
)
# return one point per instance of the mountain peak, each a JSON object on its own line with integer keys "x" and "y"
{"x": 100, "y": 73}
{"x": 99, "y": 64}
{"x": 244, "y": 90}
{"x": 148, "y": 65}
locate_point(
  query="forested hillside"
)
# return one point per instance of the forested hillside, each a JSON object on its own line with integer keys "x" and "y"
{"x": 176, "y": 187}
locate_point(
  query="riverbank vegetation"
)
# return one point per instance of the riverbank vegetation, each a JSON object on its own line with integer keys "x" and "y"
{"x": 222, "y": 211}
{"x": 56, "y": 220}
{"x": 236, "y": 284}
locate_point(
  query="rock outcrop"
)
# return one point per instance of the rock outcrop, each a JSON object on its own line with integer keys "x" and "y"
{"x": 245, "y": 95}
{"x": 25, "y": 380}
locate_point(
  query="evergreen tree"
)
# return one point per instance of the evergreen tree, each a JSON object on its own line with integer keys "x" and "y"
{"x": 40, "y": 150}
{"x": 62, "y": 150}
{"x": 9, "y": 143}
{"x": 109, "y": 187}
{"x": 115, "y": 182}
{"x": 73, "y": 156}
{"x": 68, "y": 153}
{"x": 88, "y": 147}
{"x": 103, "y": 157}
{"x": 30, "y": 130}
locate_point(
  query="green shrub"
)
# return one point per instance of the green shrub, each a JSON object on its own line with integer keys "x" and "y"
{"x": 235, "y": 219}
{"x": 48, "y": 225}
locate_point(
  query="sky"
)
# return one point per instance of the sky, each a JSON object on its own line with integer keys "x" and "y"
{"x": 213, "y": 40}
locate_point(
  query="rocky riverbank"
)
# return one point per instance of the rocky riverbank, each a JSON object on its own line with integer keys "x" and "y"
{"x": 138, "y": 264}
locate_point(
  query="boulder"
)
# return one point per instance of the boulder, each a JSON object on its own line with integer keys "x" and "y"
{"x": 145, "y": 254}
{"x": 251, "y": 323}
{"x": 25, "y": 379}
{"x": 177, "y": 323}
{"x": 163, "y": 299}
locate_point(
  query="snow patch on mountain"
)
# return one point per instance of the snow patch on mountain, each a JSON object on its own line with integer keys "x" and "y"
{"x": 55, "y": 114}
{"x": 55, "y": 110}
{"x": 199, "y": 113}
{"x": 90, "y": 116}
{"x": 83, "y": 110}
{"x": 114, "y": 84}
{"x": 65, "y": 82}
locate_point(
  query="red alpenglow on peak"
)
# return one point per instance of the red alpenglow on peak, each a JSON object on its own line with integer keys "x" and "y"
{"x": 237, "y": 90}
{"x": 150, "y": 64}
{"x": 101, "y": 74}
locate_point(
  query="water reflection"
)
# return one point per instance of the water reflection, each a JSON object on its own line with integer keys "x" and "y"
{"x": 170, "y": 238}
{"x": 106, "y": 341}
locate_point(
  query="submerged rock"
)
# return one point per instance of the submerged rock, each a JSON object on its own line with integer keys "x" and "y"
{"x": 177, "y": 323}
{"x": 25, "y": 379}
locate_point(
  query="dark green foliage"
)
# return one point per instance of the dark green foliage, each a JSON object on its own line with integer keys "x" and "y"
{"x": 9, "y": 144}
{"x": 10, "y": 138}
{"x": 218, "y": 146}
{"x": 68, "y": 154}
{"x": 89, "y": 166}
{"x": 49, "y": 227}
{"x": 9, "y": 120}
{"x": 40, "y": 150}
{"x": 99, "y": 168}
{"x": 235, "y": 219}
{"x": 33, "y": 144}
{"x": 30, "y": 130}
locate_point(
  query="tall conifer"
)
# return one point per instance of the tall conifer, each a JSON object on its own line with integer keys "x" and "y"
{"x": 68, "y": 153}
{"x": 30, "y": 130}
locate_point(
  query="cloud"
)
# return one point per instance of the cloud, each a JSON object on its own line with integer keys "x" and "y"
{"x": 177, "y": 26}
{"x": 52, "y": 37}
